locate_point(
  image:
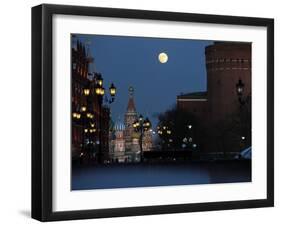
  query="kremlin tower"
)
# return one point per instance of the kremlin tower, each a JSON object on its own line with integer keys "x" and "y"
{"x": 131, "y": 116}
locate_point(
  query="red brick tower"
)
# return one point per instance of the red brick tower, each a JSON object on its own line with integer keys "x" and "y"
{"x": 226, "y": 63}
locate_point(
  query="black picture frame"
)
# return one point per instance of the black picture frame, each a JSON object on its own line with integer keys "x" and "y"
{"x": 42, "y": 111}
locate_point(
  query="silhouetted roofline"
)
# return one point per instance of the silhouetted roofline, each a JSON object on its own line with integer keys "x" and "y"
{"x": 228, "y": 45}
{"x": 194, "y": 95}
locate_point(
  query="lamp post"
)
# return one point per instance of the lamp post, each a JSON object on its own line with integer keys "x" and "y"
{"x": 244, "y": 114}
{"x": 141, "y": 125}
{"x": 239, "y": 90}
{"x": 100, "y": 92}
{"x": 88, "y": 116}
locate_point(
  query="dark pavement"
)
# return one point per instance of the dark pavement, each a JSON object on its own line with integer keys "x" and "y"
{"x": 159, "y": 174}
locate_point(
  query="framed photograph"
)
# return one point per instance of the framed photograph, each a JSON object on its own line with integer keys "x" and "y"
{"x": 146, "y": 112}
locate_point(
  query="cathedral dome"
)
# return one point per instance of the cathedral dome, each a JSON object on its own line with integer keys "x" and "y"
{"x": 119, "y": 126}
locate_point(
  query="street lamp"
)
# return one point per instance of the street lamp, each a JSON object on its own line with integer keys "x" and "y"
{"x": 112, "y": 90}
{"x": 239, "y": 90}
{"x": 86, "y": 91}
{"x": 141, "y": 125}
{"x": 75, "y": 115}
{"x": 90, "y": 115}
{"x": 100, "y": 92}
{"x": 83, "y": 108}
{"x": 99, "y": 79}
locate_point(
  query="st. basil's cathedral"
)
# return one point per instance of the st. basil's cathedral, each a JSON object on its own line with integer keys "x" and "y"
{"x": 124, "y": 141}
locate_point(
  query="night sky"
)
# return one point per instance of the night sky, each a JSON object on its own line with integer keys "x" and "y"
{"x": 133, "y": 61}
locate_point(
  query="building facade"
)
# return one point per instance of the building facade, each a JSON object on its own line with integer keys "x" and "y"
{"x": 90, "y": 120}
{"x": 117, "y": 143}
{"x": 226, "y": 64}
{"x": 80, "y": 64}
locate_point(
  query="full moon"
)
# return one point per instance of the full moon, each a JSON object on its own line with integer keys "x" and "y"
{"x": 163, "y": 58}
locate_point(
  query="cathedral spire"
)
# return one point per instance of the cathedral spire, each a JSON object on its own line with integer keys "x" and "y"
{"x": 131, "y": 103}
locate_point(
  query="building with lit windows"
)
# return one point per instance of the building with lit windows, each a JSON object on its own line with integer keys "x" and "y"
{"x": 86, "y": 112}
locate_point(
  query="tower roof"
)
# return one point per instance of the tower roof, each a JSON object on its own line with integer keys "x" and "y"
{"x": 131, "y": 103}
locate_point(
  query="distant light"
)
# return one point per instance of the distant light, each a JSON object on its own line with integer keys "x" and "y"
{"x": 189, "y": 126}
{"x": 243, "y": 138}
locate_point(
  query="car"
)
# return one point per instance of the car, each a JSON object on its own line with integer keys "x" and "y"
{"x": 245, "y": 154}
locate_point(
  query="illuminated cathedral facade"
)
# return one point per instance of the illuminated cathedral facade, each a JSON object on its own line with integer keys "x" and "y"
{"x": 124, "y": 140}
